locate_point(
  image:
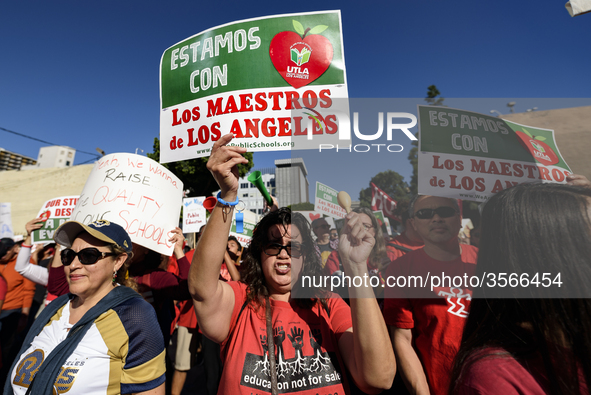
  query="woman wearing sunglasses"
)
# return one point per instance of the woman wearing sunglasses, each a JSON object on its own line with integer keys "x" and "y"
{"x": 101, "y": 337}
{"x": 276, "y": 334}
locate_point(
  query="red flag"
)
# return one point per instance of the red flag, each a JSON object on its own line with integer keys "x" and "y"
{"x": 381, "y": 201}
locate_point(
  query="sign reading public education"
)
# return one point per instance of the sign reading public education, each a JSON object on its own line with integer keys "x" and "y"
{"x": 136, "y": 193}
{"x": 194, "y": 214}
{"x": 246, "y": 78}
{"x": 472, "y": 156}
{"x": 54, "y": 212}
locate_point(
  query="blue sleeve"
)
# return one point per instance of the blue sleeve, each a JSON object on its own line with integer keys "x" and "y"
{"x": 145, "y": 366}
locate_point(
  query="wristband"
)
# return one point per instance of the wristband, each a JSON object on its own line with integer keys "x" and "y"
{"x": 26, "y": 246}
{"x": 222, "y": 201}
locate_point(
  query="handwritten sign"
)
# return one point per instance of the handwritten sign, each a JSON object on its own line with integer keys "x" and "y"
{"x": 5, "y": 221}
{"x": 194, "y": 214}
{"x": 326, "y": 201}
{"x": 55, "y": 211}
{"x": 245, "y": 78}
{"x": 471, "y": 156}
{"x": 137, "y": 193}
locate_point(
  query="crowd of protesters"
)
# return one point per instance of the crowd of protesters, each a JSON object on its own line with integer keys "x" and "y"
{"x": 95, "y": 313}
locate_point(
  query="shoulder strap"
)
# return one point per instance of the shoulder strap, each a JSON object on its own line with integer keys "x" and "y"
{"x": 242, "y": 309}
{"x": 399, "y": 247}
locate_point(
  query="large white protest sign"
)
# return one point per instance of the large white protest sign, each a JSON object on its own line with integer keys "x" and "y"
{"x": 194, "y": 214}
{"x": 5, "y": 221}
{"x": 246, "y": 77}
{"x": 471, "y": 156}
{"x": 55, "y": 212}
{"x": 326, "y": 201}
{"x": 137, "y": 193}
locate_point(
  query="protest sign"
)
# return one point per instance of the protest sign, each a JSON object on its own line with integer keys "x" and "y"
{"x": 249, "y": 222}
{"x": 326, "y": 201}
{"x": 388, "y": 226}
{"x": 5, "y": 221}
{"x": 379, "y": 214}
{"x": 245, "y": 78}
{"x": 55, "y": 211}
{"x": 381, "y": 201}
{"x": 472, "y": 156}
{"x": 135, "y": 192}
{"x": 194, "y": 214}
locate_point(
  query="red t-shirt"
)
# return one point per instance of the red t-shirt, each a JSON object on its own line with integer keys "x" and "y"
{"x": 57, "y": 284}
{"x": 436, "y": 318}
{"x": 403, "y": 241}
{"x": 306, "y": 340}
{"x": 499, "y": 373}
{"x": 187, "y": 317}
{"x": 333, "y": 263}
{"x": 3, "y": 288}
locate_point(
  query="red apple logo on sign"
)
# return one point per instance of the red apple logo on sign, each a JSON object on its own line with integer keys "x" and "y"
{"x": 537, "y": 148}
{"x": 302, "y": 56}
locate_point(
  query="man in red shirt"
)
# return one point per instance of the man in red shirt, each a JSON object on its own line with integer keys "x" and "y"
{"x": 426, "y": 326}
{"x": 408, "y": 240}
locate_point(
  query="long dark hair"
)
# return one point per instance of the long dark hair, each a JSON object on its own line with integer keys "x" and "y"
{"x": 252, "y": 274}
{"x": 534, "y": 228}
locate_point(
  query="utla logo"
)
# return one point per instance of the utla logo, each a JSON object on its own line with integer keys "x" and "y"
{"x": 302, "y": 56}
{"x": 537, "y": 148}
{"x": 300, "y": 53}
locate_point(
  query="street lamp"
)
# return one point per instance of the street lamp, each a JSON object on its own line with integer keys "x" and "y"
{"x": 532, "y": 109}
{"x": 493, "y": 111}
{"x": 100, "y": 151}
{"x": 511, "y": 105}
{"x": 138, "y": 149}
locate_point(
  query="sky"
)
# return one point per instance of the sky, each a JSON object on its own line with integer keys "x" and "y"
{"x": 86, "y": 74}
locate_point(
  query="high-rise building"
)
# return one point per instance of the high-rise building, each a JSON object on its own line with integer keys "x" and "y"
{"x": 292, "y": 183}
{"x": 12, "y": 161}
{"x": 55, "y": 156}
{"x": 287, "y": 182}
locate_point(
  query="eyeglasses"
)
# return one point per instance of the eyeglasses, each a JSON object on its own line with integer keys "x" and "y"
{"x": 293, "y": 250}
{"x": 428, "y": 213}
{"x": 87, "y": 256}
{"x": 367, "y": 226}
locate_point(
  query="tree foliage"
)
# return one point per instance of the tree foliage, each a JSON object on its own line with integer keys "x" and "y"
{"x": 305, "y": 206}
{"x": 432, "y": 99}
{"x": 388, "y": 181}
{"x": 194, "y": 174}
{"x": 413, "y": 158}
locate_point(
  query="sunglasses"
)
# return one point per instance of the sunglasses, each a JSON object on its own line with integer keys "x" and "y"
{"x": 293, "y": 250}
{"x": 87, "y": 256}
{"x": 428, "y": 213}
